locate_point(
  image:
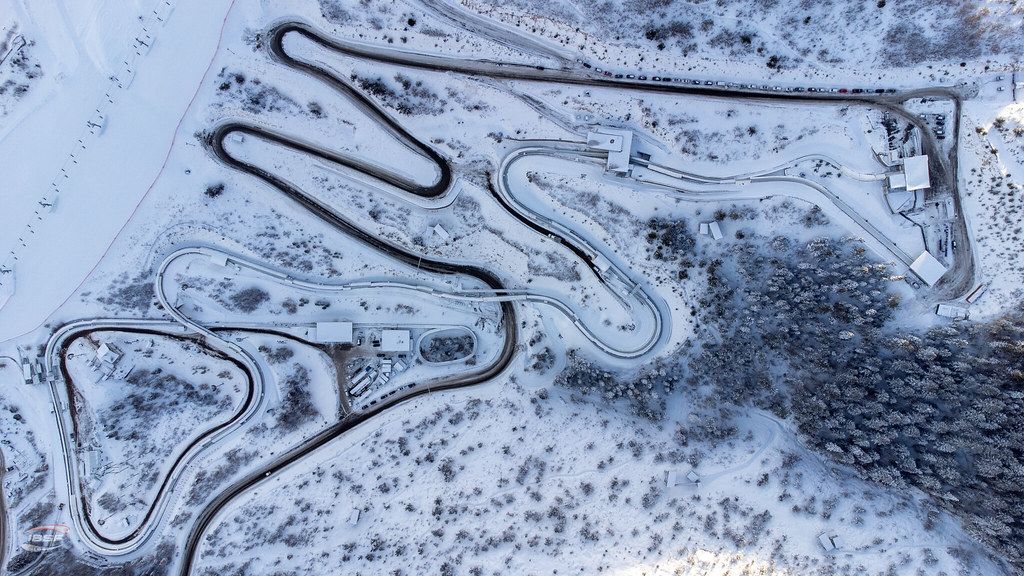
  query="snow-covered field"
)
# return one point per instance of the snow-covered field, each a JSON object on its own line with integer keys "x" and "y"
{"x": 107, "y": 111}
{"x": 527, "y": 480}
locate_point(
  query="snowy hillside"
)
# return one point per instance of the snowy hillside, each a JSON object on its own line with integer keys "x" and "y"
{"x": 634, "y": 287}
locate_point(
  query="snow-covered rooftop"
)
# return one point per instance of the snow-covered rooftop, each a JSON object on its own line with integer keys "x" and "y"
{"x": 394, "y": 341}
{"x": 334, "y": 332}
{"x": 915, "y": 171}
{"x": 618, "y": 144}
{"x": 927, "y": 268}
{"x": 951, "y": 311}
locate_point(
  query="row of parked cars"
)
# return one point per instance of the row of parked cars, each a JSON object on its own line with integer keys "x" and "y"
{"x": 735, "y": 85}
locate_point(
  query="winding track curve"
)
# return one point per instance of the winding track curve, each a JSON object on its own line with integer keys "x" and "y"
{"x": 442, "y": 184}
{"x": 499, "y": 70}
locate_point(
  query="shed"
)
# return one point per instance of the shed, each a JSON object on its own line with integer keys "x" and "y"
{"x": 353, "y": 517}
{"x": 951, "y": 311}
{"x": 715, "y": 230}
{"x": 394, "y": 341}
{"x": 442, "y": 233}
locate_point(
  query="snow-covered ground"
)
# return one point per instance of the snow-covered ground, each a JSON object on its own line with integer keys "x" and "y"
{"x": 103, "y": 131}
{"x": 518, "y": 479}
{"x": 109, "y": 108}
{"x": 136, "y": 415}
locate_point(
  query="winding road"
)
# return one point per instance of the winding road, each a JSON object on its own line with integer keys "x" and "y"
{"x": 619, "y": 282}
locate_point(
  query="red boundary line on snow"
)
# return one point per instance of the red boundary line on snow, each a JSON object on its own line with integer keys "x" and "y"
{"x": 167, "y": 157}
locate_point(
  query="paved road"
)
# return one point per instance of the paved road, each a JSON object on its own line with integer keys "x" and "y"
{"x": 63, "y": 393}
{"x": 944, "y": 170}
{"x": 944, "y": 174}
{"x": 491, "y": 69}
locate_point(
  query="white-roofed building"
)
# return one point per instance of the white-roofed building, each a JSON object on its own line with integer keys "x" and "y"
{"x": 897, "y": 180}
{"x": 333, "y": 332}
{"x": 951, "y": 311}
{"x": 915, "y": 173}
{"x": 394, "y": 341}
{"x": 829, "y": 543}
{"x": 927, "y": 268}
{"x": 715, "y": 230}
{"x": 442, "y": 233}
{"x": 618, "y": 143}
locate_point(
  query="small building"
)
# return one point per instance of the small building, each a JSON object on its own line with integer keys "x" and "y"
{"x": 978, "y": 292}
{"x": 333, "y": 333}
{"x": 353, "y": 517}
{"x": 394, "y": 341}
{"x": 442, "y": 233}
{"x": 693, "y": 477}
{"x": 704, "y": 228}
{"x": 618, "y": 143}
{"x": 900, "y": 201}
{"x": 715, "y": 230}
{"x": 828, "y": 543}
{"x": 951, "y": 311}
{"x": 27, "y": 370}
{"x": 219, "y": 259}
{"x": 897, "y": 180}
{"x": 108, "y": 354}
{"x": 672, "y": 479}
{"x": 928, "y": 268}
